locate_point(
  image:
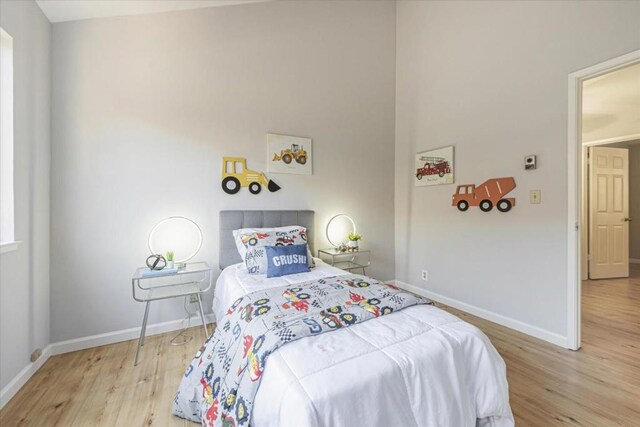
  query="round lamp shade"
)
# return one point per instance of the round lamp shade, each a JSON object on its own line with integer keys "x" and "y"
{"x": 177, "y": 234}
{"x": 338, "y": 228}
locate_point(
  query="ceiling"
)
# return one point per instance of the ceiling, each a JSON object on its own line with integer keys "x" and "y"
{"x": 611, "y": 105}
{"x": 72, "y": 10}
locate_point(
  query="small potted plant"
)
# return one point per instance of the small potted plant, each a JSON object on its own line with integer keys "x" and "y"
{"x": 353, "y": 240}
{"x": 170, "y": 259}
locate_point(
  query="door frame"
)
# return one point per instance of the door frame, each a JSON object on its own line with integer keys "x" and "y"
{"x": 574, "y": 188}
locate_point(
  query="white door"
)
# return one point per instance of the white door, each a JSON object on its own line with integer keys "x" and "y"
{"x": 608, "y": 212}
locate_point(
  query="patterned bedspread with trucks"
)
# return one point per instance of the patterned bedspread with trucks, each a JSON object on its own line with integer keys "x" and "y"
{"x": 220, "y": 384}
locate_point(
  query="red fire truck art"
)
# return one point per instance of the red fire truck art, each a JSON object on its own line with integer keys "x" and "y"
{"x": 433, "y": 166}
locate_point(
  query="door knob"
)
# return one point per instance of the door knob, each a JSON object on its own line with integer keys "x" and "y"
{"x": 627, "y": 220}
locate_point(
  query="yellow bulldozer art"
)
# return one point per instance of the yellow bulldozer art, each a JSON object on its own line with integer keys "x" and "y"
{"x": 296, "y": 153}
{"x": 235, "y": 175}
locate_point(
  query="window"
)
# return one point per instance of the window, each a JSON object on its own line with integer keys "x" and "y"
{"x": 7, "y": 229}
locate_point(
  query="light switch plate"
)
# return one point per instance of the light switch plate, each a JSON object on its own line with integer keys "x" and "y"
{"x": 535, "y": 197}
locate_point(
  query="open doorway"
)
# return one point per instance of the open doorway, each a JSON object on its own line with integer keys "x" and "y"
{"x": 610, "y": 137}
{"x": 604, "y": 189}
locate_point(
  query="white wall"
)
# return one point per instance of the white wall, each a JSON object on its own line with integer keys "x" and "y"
{"x": 144, "y": 108}
{"x": 24, "y": 273}
{"x": 634, "y": 201}
{"x": 611, "y": 106}
{"x": 491, "y": 79}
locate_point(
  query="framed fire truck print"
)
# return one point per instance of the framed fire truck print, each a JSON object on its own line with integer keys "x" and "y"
{"x": 434, "y": 167}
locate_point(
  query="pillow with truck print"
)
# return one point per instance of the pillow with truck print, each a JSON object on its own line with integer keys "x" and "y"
{"x": 251, "y": 243}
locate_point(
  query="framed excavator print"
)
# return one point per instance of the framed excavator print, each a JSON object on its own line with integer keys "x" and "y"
{"x": 434, "y": 167}
{"x": 289, "y": 154}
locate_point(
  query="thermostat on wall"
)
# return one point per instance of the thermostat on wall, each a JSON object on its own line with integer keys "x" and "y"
{"x": 530, "y": 162}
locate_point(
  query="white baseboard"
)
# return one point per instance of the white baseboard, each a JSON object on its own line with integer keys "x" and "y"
{"x": 68, "y": 346}
{"x": 518, "y": 325}
{"x": 122, "y": 335}
{"x": 23, "y": 376}
{"x": 634, "y": 260}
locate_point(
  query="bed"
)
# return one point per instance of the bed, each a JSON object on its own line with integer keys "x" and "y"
{"x": 419, "y": 366}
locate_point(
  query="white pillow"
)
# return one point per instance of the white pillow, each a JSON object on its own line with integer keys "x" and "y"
{"x": 242, "y": 236}
{"x": 249, "y": 239}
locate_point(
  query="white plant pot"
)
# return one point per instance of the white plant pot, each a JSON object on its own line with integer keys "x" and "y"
{"x": 169, "y": 264}
{"x": 353, "y": 244}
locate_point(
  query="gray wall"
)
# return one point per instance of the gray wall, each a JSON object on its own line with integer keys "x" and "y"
{"x": 146, "y": 106}
{"x": 24, "y": 273}
{"x": 491, "y": 79}
{"x": 634, "y": 201}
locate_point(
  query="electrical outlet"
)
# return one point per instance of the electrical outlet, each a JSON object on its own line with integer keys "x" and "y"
{"x": 193, "y": 299}
{"x": 425, "y": 275}
{"x": 535, "y": 196}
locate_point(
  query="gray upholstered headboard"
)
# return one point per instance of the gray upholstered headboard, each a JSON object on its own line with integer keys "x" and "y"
{"x": 233, "y": 220}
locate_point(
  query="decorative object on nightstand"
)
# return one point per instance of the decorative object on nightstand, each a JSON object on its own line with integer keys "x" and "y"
{"x": 156, "y": 262}
{"x": 353, "y": 240}
{"x": 348, "y": 261}
{"x": 170, "y": 259}
{"x": 338, "y": 227}
{"x": 184, "y": 237}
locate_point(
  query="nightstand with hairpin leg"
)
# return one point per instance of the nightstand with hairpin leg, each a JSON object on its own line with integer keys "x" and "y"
{"x": 193, "y": 279}
{"x": 348, "y": 260}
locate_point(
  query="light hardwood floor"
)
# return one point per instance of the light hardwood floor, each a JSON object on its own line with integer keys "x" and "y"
{"x": 596, "y": 386}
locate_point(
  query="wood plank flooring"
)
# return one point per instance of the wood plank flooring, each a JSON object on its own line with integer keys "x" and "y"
{"x": 597, "y": 386}
{"x": 549, "y": 386}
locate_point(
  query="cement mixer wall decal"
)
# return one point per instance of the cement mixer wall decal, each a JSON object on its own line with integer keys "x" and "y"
{"x": 236, "y": 175}
{"x": 486, "y": 195}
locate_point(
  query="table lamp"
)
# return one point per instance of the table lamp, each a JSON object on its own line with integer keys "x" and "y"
{"x": 338, "y": 228}
{"x": 177, "y": 236}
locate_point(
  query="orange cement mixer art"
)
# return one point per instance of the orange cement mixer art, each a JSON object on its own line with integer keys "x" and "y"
{"x": 486, "y": 195}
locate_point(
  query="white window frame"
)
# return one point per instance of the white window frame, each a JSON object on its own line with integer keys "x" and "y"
{"x": 7, "y": 217}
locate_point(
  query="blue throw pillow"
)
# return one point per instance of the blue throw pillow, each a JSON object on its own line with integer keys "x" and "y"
{"x": 283, "y": 260}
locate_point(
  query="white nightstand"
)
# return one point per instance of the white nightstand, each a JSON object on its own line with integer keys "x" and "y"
{"x": 348, "y": 261}
{"x": 193, "y": 279}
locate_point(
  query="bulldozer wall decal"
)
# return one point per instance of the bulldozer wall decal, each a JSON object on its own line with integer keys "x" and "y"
{"x": 235, "y": 175}
{"x": 486, "y": 195}
{"x": 289, "y": 154}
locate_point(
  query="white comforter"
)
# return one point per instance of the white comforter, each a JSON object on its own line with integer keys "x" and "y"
{"x": 420, "y": 366}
